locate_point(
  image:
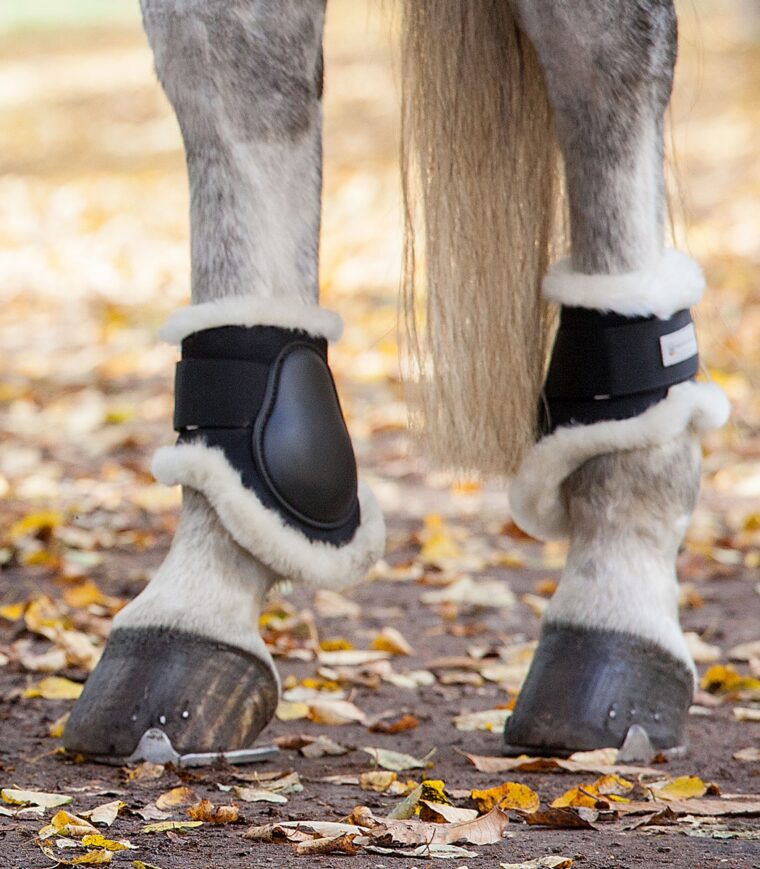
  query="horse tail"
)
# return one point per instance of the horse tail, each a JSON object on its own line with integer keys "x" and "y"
{"x": 482, "y": 206}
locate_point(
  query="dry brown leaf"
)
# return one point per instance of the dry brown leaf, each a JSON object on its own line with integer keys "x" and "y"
{"x": 323, "y": 746}
{"x": 343, "y": 844}
{"x": 258, "y": 795}
{"x": 171, "y": 826}
{"x": 745, "y": 713}
{"x": 541, "y": 863}
{"x": 485, "y": 830}
{"x": 564, "y": 818}
{"x": 406, "y": 722}
{"x": 205, "y": 810}
{"x": 441, "y": 813}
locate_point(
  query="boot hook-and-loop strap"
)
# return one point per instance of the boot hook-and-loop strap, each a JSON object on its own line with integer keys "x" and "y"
{"x": 606, "y": 366}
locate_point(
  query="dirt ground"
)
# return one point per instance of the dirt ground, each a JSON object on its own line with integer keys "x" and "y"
{"x": 93, "y": 255}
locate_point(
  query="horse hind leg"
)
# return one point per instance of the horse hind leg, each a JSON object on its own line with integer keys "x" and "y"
{"x": 264, "y": 458}
{"x": 617, "y": 470}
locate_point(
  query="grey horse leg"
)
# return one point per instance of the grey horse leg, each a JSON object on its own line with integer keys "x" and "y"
{"x": 245, "y": 80}
{"x": 612, "y": 653}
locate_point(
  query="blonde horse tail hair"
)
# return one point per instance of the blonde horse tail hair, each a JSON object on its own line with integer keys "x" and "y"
{"x": 481, "y": 193}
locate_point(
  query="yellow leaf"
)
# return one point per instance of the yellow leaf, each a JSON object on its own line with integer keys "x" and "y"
{"x": 91, "y": 858}
{"x": 724, "y": 679}
{"x": 34, "y": 523}
{"x": 609, "y": 785}
{"x": 290, "y": 711}
{"x": 96, "y": 840}
{"x": 682, "y": 788}
{"x": 510, "y": 795}
{"x": 438, "y": 545}
{"x": 393, "y": 641}
{"x": 336, "y": 644}
{"x": 43, "y": 617}
{"x": 12, "y": 612}
{"x": 58, "y": 726}
{"x": 17, "y": 797}
{"x": 83, "y": 595}
{"x": 164, "y": 826}
{"x": 176, "y": 798}
{"x": 434, "y": 791}
{"x": 55, "y": 688}
{"x": 584, "y": 795}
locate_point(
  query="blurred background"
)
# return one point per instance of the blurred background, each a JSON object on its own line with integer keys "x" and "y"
{"x": 94, "y": 255}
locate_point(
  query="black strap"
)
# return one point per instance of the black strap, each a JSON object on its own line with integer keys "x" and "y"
{"x": 605, "y": 366}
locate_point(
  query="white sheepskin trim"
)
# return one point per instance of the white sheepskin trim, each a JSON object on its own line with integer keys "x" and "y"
{"x": 534, "y": 495}
{"x": 676, "y": 282}
{"x": 252, "y": 311}
{"x": 261, "y": 531}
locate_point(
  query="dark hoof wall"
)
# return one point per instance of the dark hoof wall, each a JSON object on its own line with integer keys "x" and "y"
{"x": 204, "y": 695}
{"x": 586, "y": 689}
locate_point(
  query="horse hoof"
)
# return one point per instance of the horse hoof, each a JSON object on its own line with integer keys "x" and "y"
{"x": 590, "y": 689}
{"x": 204, "y": 696}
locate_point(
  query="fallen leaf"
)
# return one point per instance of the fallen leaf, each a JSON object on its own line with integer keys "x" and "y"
{"x": 491, "y": 593}
{"x": 585, "y": 795}
{"x": 745, "y": 651}
{"x": 12, "y": 612}
{"x": 701, "y": 652}
{"x": 205, "y": 810}
{"x": 138, "y": 864}
{"x": 166, "y": 826}
{"x": 406, "y": 722}
{"x": 743, "y": 713}
{"x": 541, "y": 863}
{"x": 58, "y": 726}
{"x": 336, "y": 712}
{"x": 489, "y": 720}
{"x": 510, "y": 795}
{"x": 323, "y": 746}
{"x": 97, "y": 841}
{"x": 391, "y": 640}
{"x": 66, "y": 824}
{"x": 17, "y": 797}
{"x": 288, "y": 711}
{"x": 563, "y": 818}
{"x": 151, "y": 813}
{"x": 145, "y": 771}
{"x": 433, "y": 851}
{"x": 442, "y": 813}
{"x": 682, "y": 788}
{"x": 343, "y": 844}
{"x": 105, "y": 814}
{"x": 91, "y": 858}
{"x": 396, "y": 760}
{"x": 485, "y": 830}
{"x": 55, "y": 688}
{"x": 332, "y": 605}
{"x": 751, "y": 754}
{"x": 377, "y": 780}
{"x": 352, "y": 657}
{"x": 258, "y": 795}
{"x": 176, "y": 798}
